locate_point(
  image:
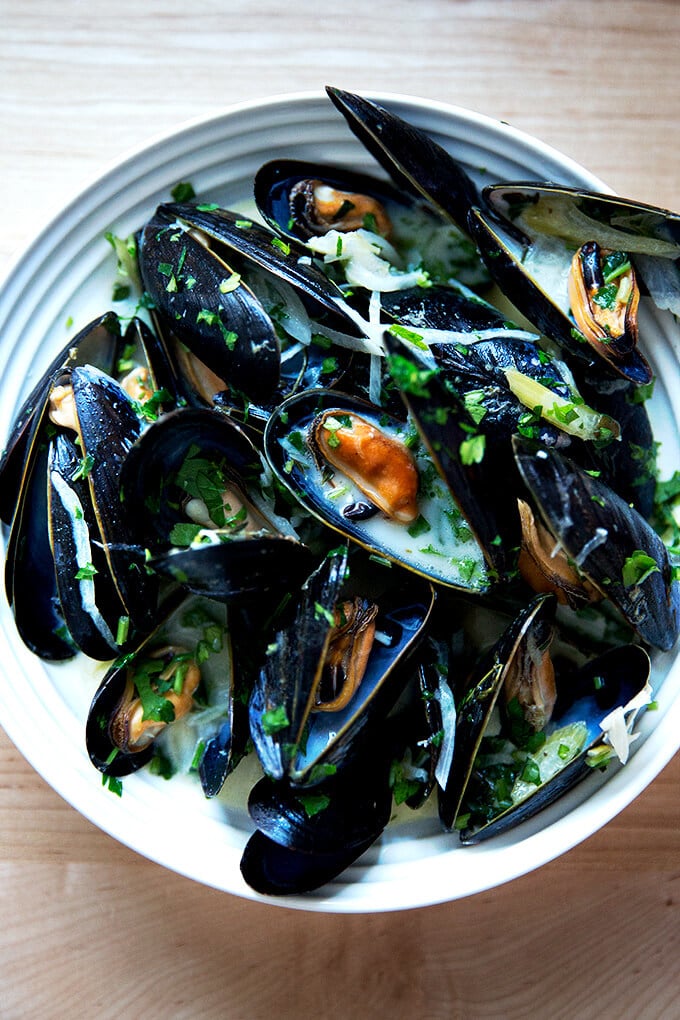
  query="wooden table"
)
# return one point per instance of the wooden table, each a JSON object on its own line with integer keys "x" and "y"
{"x": 87, "y": 926}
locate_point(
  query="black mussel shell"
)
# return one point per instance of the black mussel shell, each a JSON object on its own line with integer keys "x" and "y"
{"x": 608, "y": 540}
{"x": 226, "y": 745}
{"x": 223, "y": 751}
{"x": 450, "y": 308}
{"x": 108, "y": 426}
{"x": 216, "y": 316}
{"x": 414, "y": 161}
{"x": 30, "y": 579}
{"x": 275, "y": 870}
{"x": 629, "y": 464}
{"x": 481, "y": 483}
{"x": 87, "y": 594}
{"x": 238, "y": 568}
{"x": 440, "y": 714}
{"x": 308, "y": 835}
{"x": 279, "y": 701}
{"x": 262, "y": 248}
{"x": 342, "y": 812}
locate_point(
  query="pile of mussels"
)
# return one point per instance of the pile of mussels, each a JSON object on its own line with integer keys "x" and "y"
{"x": 326, "y": 501}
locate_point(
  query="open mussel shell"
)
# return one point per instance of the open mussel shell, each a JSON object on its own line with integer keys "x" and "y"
{"x": 199, "y": 456}
{"x": 194, "y": 633}
{"x": 436, "y": 543}
{"x": 98, "y": 343}
{"x": 282, "y": 694}
{"x": 610, "y": 681}
{"x": 291, "y": 738}
{"x": 477, "y": 704}
{"x": 213, "y": 737}
{"x": 576, "y": 215}
{"x": 610, "y": 543}
{"x": 206, "y": 305}
{"x": 300, "y": 199}
{"x": 528, "y": 241}
{"x": 414, "y": 161}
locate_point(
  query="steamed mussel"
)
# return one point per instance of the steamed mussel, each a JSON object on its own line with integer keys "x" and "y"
{"x": 335, "y": 507}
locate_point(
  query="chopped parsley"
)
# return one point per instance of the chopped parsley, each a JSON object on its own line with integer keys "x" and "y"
{"x": 638, "y": 567}
{"x": 408, "y": 376}
{"x": 605, "y": 297}
{"x": 409, "y": 335}
{"x": 114, "y": 784}
{"x": 472, "y": 450}
{"x": 122, "y": 630}
{"x": 313, "y": 803}
{"x": 274, "y": 719}
{"x": 183, "y": 191}
{"x": 211, "y": 318}
{"x": 281, "y": 245}
{"x": 321, "y": 613}
{"x": 86, "y": 573}
{"x": 85, "y": 465}
{"x": 419, "y": 527}
{"x": 183, "y": 534}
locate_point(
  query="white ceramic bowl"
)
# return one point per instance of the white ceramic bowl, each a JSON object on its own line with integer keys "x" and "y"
{"x": 66, "y": 273}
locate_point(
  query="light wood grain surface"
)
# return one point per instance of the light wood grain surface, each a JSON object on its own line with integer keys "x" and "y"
{"x": 86, "y": 926}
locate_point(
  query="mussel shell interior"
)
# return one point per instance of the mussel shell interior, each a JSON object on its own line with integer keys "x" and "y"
{"x": 461, "y": 565}
{"x": 275, "y": 180}
{"x": 150, "y": 493}
{"x": 478, "y": 703}
{"x": 536, "y": 274}
{"x": 604, "y": 683}
{"x": 331, "y": 735}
